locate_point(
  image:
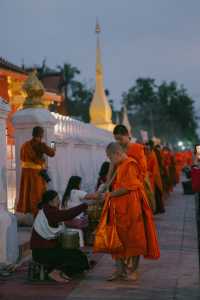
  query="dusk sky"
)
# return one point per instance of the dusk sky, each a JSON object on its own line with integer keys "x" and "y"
{"x": 140, "y": 38}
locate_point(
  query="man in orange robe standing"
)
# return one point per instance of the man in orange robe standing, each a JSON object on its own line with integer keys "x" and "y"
{"x": 136, "y": 151}
{"x": 155, "y": 177}
{"x": 170, "y": 167}
{"x": 130, "y": 210}
{"x": 33, "y": 184}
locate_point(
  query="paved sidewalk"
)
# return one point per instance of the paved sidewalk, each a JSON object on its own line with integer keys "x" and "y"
{"x": 175, "y": 276}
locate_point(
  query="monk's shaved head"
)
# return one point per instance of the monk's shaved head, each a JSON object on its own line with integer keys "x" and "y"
{"x": 114, "y": 147}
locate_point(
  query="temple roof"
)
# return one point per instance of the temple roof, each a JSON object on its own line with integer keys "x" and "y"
{"x": 52, "y": 82}
{"x": 4, "y": 64}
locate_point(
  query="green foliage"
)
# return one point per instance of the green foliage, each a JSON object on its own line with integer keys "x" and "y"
{"x": 164, "y": 110}
{"x": 79, "y": 101}
{"x": 77, "y": 95}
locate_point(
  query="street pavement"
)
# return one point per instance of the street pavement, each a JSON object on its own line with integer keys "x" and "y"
{"x": 175, "y": 276}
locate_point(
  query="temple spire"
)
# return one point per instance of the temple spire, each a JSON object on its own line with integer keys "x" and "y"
{"x": 100, "y": 110}
{"x": 125, "y": 120}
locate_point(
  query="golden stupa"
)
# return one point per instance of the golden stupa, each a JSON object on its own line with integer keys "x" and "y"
{"x": 34, "y": 90}
{"x": 100, "y": 110}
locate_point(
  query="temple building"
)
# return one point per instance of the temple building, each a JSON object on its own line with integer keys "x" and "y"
{"x": 100, "y": 109}
{"x": 12, "y": 78}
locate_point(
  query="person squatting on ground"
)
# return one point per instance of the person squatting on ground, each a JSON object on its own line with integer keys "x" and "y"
{"x": 45, "y": 245}
{"x": 74, "y": 196}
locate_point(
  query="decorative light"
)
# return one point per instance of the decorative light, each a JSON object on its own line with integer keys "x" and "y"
{"x": 180, "y": 144}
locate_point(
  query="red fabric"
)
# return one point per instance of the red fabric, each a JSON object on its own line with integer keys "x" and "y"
{"x": 195, "y": 174}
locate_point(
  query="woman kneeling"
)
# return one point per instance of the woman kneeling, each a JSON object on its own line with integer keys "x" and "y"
{"x": 45, "y": 239}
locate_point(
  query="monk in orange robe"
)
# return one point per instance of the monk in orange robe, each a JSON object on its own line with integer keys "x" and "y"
{"x": 179, "y": 165}
{"x": 133, "y": 150}
{"x": 32, "y": 185}
{"x": 166, "y": 157}
{"x": 130, "y": 209}
{"x": 136, "y": 151}
{"x": 170, "y": 163}
{"x": 189, "y": 158}
{"x": 155, "y": 177}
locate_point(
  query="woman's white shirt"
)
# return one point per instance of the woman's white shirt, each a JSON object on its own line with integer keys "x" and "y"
{"x": 76, "y": 198}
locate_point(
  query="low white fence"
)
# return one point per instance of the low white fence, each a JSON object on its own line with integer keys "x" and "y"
{"x": 67, "y": 127}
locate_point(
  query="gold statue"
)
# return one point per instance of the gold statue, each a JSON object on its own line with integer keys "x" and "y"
{"x": 34, "y": 90}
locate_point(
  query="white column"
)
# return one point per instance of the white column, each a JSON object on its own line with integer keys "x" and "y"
{"x": 4, "y": 109}
{"x": 24, "y": 120}
{"x": 8, "y": 224}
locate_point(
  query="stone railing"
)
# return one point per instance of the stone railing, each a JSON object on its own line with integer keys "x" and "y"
{"x": 67, "y": 127}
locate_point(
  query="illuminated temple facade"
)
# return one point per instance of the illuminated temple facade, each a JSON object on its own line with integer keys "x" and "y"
{"x": 12, "y": 78}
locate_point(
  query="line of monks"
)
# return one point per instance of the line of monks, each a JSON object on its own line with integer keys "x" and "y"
{"x": 160, "y": 168}
{"x": 141, "y": 176}
{"x": 144, "y": 175}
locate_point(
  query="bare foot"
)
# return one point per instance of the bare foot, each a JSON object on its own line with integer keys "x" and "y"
{"x": 133, "y": 276}
{"x": 117, "y": 276}
{"x": 63, "y": 275}
{"x": 55, "y": 275}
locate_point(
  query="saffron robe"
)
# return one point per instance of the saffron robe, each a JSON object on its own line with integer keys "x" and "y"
{"x": 166, "y": 157}
{"x": 134, "y": 219}
{"x": 32, "y": 185}
{"x": 154, "y": 172}
{"x": 155, "y": 180}
{"x": 136, "y": 151}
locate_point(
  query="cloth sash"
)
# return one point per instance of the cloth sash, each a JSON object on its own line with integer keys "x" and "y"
{"x": 31, "y": 165}
{"x": 42, "y": 227}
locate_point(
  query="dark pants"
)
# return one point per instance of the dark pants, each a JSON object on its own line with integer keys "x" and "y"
{"x": 69, "y": 261}
{"x": 159, "y": 201}
{"x": 197, "y": 202}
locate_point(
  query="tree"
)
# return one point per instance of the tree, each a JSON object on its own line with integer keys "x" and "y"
{"x": 68, "y": 74}
{"x": 166, "y": 111}
{"x": 79, "y": 101}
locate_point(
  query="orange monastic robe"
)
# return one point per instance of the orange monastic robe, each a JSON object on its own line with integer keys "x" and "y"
{"x": 136, "y": 151}
{"x": 135, "y": 225}
{"x": 179, "y": 156}
{"x": 32, "y": 185}
{"x": 189, "y": 158}
{"x": 154, "y": 171}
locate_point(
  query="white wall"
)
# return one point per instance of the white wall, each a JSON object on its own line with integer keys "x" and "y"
{"x": 80, "y": 147}
{"x": 80, "y": 150}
